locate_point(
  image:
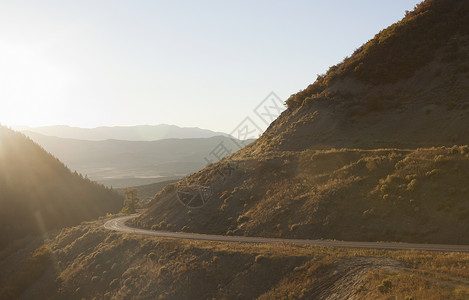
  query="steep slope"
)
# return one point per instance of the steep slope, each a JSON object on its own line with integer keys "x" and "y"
{"x": 407, "y": 87}
{"x": 127, "y": 133}
{"x": 38, "y": 193}
{"x": 364, "y": 153}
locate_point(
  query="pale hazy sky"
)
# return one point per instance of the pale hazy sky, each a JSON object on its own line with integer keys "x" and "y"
{"x": 189, "y": 63}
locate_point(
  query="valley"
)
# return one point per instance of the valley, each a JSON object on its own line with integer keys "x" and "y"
{"x": 125, "y": 163}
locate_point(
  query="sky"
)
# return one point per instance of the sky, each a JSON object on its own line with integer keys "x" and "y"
{"x": 205, "y": 64}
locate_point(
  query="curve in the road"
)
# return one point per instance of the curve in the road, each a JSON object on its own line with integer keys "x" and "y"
{"x": 118, "y": 224}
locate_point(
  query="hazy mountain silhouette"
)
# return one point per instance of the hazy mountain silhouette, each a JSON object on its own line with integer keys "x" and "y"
{"x": 127, "y": 133}
{"x": 128, "y": 163}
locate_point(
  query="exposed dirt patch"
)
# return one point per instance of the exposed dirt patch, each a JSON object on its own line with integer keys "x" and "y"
{"x": 346, "y": 277}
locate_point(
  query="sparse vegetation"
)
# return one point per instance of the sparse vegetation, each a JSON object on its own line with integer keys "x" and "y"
{"x": 100, "y": 264}
{"x": 398, "y": 51}
{"x": 375, "y": 195}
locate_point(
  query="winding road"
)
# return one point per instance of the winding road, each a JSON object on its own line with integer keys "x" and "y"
{"x": 118, "y": 224}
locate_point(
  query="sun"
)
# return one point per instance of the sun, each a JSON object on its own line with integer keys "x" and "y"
{"x": 32, "y": 84}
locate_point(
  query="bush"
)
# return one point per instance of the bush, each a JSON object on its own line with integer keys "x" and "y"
{"x": 260, "y": 259}
{"x": 412, "y": 185}
{"x": 114, "y": 283}
{"x": 385, "y": 287}
{"x": 243, "y": 218}
{"x": 387, "y": 283}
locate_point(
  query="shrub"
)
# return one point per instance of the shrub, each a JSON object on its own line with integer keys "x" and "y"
{"x": 242, "y": 219}
{"x": 114, "y": 283}
{"x": 259, "y": 259}
{"x": 412, "y": 185}
{"x": 163, "y": 271}
{"x": 382, "y": 289}
{"x": 387, "y": 283}
{"x": 294, "y": 227}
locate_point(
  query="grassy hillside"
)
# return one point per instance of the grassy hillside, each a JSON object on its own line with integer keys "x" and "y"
{"x": 435, "y": 29}
{"x": 365, "y": 153}
{"x": 38, "y": 193}
{"x": 393, "y": 195}
{"x": 92, "y": 263}
{"x": 407, "y": 88}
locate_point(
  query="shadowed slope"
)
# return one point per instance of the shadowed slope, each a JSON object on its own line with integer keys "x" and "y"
{"x": 37, "y": 192}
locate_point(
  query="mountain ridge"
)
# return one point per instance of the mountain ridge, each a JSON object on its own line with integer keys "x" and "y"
{"x": 120, "y": 163}
{"x": 130, "y": 133}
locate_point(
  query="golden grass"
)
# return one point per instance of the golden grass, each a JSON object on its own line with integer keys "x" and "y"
{"x": 347, "y": 194}
{"x": 94, "y": 263}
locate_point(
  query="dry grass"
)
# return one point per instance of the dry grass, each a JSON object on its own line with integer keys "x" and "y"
{"x": 376, "y": 195}
{"x": 93, "y": 263}
{"x": 397, "y": 52}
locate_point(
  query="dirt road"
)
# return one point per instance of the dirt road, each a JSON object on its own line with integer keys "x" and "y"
{"x": 118, "y": 224}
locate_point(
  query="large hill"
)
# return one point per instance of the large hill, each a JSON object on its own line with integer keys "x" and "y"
{"x": 120, "y": 163}
{"x": 39, "y": 193}
{"x": 364, "y": 153}
{"x": 127, "y": 133}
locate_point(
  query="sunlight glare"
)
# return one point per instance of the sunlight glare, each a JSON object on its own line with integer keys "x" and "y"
{"x": 30, "y": 85}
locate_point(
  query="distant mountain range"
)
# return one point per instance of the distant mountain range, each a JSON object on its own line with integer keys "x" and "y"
{"x": 121, "y": 163}
{"x": 127, "y": 133}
